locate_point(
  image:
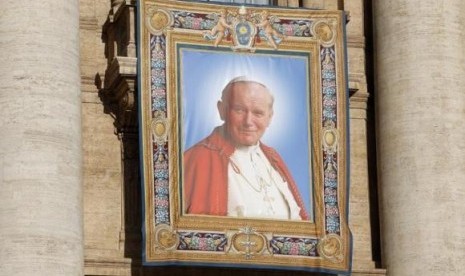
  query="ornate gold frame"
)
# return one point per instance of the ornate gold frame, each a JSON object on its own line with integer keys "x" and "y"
{"x": 321, "y": 244}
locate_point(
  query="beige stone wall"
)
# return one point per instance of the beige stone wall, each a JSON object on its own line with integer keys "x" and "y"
{"x": 102, "y": 178}
{"x": 359, "y": 204}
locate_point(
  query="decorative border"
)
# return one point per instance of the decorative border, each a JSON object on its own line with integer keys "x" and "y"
{"x": 330, "y": 139}
{"x": 215, "y": 242}
{"x": 328, "y": 248}
{"x": 160, "y": 144}
{"x": 294, "y": 246}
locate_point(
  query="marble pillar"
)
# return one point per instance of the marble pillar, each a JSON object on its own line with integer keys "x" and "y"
{"x": 40, "y": 139}
{"x": 420, "y": 99}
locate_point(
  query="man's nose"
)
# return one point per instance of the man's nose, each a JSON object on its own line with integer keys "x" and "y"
{"x": 248, "y": 119}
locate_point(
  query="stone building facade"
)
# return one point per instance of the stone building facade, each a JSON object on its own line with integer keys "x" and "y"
{"x": 69, "y": 171}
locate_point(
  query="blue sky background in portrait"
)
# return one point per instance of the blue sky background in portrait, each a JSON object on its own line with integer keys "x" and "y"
{"x": 204, "y": 74}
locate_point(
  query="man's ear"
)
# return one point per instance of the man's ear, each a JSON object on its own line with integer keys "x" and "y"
{"x": 221, "y": 110}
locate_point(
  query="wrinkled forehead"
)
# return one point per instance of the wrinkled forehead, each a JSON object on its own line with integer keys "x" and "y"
{"x": 247, "y": 87}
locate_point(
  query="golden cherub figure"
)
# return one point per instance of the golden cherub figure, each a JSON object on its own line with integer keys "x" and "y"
{"x": 220, "y": 29}
{"x": 270, "y": 33}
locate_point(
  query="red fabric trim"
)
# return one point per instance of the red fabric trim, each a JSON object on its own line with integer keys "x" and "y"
{"x": 206, "y": 175}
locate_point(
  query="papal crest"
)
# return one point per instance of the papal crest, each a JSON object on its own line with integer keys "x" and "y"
{"x": 243, "y": 35}
{"x": 244, "y": 28}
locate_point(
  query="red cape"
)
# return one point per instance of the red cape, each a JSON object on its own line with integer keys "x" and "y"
{"x": 206, "y": 175}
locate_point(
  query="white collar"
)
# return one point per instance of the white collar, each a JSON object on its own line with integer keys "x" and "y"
{"x": 248, "y": 149}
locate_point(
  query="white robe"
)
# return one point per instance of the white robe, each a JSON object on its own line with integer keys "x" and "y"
{"x": 256, "y": 189}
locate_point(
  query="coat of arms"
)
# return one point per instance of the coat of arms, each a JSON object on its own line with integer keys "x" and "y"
{"x": 244, "y": 28}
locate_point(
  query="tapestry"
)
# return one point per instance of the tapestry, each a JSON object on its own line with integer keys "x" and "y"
{"x": 244, "y": 130}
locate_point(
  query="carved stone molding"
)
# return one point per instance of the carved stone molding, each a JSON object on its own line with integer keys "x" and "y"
{"x": 358, "y": 96}
{"x": 120, "y": 81}
{"x": 356, "y": 41}
{"x": 118, "y": 92}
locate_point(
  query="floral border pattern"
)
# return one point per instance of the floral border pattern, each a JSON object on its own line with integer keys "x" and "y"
{"x": 214, "y": 241}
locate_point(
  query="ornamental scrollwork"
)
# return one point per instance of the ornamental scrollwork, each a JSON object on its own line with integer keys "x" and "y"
{"x": 331, "y": 248}
{"x": 244, "y": 29}
{"x": 248, "y": 243}
{"x": 165, "y": 237}
{"x": 158, "y": 20}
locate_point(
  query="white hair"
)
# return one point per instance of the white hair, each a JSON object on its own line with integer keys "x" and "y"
{"x": 242, "y": 79}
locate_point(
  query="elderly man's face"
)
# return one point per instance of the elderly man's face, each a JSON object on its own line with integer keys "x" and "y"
{"x": 247, "y": 113}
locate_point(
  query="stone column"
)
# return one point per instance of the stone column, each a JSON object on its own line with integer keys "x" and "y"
{"x": 420, "y": 96}
{"x": 40, "y": 139}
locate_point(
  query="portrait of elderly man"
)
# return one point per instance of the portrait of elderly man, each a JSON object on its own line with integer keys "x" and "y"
{"x": 231, "y": 172}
